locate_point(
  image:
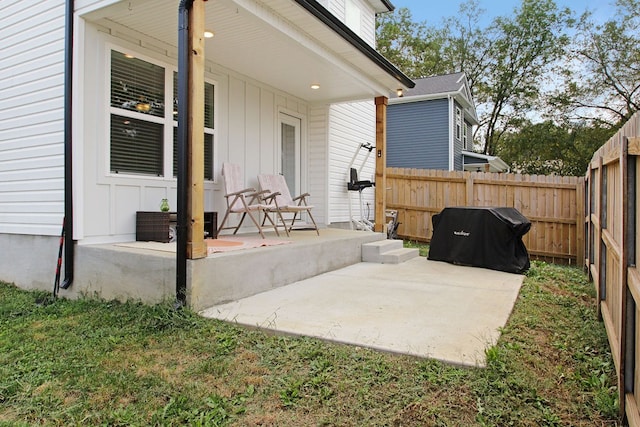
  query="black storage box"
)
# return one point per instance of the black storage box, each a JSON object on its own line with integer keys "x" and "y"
{"x": 481, "y": 237}
{"x": 157, "y": 226}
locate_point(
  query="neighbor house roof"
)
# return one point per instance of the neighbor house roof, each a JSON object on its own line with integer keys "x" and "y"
{"x": 453, "y": 85}
{"x": 443, "y": 84}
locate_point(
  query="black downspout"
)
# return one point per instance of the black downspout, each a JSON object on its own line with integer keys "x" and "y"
{"x": 68, "y": 169}
{"x": 183, "y": 149}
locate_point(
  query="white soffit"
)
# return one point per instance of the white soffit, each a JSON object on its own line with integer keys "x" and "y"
{"x": 276, "y": 42}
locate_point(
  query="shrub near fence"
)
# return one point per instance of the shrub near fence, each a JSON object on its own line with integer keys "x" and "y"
{"x": 553, "y": 204}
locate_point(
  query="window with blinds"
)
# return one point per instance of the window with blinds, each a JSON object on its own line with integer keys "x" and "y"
{"x": 136, "y": 85}
{"x": 209, "y": 130}
{"x": 137, "y": 89}
{"x": 208, "y": 154}
{"x": 139, "y": 119}
{"x": 136, "y": 146}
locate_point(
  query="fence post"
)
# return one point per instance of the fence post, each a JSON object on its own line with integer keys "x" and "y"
{"x": 580, "y": 225}
{"x": 469, "y": 188}
{"x": 627, "y": 316}
{"x": 600, "y": 248}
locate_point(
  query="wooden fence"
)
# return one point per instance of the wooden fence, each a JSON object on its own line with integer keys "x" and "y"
{"x": 553, "y": 204}
{"x": 611, "y": 224}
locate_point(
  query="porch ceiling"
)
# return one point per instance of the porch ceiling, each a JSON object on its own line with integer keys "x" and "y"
{"x": 278, "y": 42}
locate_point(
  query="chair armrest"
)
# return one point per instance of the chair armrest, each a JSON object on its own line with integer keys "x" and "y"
{"x": 270, "y": 197}
{"x": 237, "y": 193}
{"x": 258, "y": 193}
{"x": 302, "y": 196}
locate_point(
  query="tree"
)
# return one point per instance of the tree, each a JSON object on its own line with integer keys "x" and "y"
{"x": 413, "y": 47}
{"x": 504, "y": 63}
{"x": 465, "y": 43}
{"x": 522, "y": 50}
{"x": 550, "y": 149}
{"x": 602, "y": 78}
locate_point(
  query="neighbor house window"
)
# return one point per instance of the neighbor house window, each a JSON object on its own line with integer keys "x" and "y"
{"x": 458, "y": 123}
{"x": 140, "y": 121}
{"x": 465, "y": 142}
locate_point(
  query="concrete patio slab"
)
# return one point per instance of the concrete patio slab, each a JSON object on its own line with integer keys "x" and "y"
{"x": 420, "y": 307}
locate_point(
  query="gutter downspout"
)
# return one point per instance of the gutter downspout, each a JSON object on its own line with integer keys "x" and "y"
{"x": 183, "y": 150}
{"x": 68, "y": 148}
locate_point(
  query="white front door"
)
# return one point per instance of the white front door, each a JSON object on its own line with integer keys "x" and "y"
{"x": 290, "y": 151}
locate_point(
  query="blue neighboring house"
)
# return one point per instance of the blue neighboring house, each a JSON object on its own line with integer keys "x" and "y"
{"x": 431, "y": 127}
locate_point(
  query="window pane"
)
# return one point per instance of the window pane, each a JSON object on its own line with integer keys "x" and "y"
{"x": 175, "y": 95}
{"x": 209, "y": 91}
{"x": 136, "y": 146}
{"x": 208, "y": 155}
{"x": 136, "y": 85}
{"x": 208, "y": 105}
{"x": 289, "y": 154}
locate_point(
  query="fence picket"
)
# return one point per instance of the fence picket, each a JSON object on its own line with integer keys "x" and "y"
{"x": 419, "y": 194}
{"x": 611, "y": 218}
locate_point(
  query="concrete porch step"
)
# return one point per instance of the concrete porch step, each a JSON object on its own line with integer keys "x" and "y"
{"x": 398, "y": 256}
{"x": 387, "y": 252}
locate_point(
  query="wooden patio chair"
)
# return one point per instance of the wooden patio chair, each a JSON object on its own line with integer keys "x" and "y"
{"x": 241, "y": 200}
{"x": 279, "y": 198}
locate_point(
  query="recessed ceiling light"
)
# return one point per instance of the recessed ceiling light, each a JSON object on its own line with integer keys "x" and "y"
{"x": 208, "y": 34}
{"x": 315, "y": 86}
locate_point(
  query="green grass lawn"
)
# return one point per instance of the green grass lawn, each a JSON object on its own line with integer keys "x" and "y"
{"x": 106, "y": 363}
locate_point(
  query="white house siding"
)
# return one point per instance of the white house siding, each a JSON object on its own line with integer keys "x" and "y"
{"x": 246, "y": 134}
{"x": 319, "y": 161}
{"x": 350, "y": 125}
{"x": 367, "y": 28}
{"x": 31, "y": 117}
{"x": 85, "y": 6}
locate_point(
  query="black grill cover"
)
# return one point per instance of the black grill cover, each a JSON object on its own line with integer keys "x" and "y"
{"x": 481, "y": 237}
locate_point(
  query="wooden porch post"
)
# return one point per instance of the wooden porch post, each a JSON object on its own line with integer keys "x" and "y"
{"x": 381, "y": 163}
{"x": 196, "y": 247}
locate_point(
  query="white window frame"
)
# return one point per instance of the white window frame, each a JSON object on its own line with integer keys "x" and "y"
{"x": 458, "y": 123}
{"x": 465, "y": 142}
{"x": 168, "y": 120}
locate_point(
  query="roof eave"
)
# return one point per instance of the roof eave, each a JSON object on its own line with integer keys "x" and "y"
{"x": 331, "y": 21}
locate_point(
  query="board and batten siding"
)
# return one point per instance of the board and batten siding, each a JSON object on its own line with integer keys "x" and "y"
{"x": 350, "y": 125}
{"x": 246, "y": 133}
{"x": 318, "y": 170}
{"x": 418, "y": 135}
{"x": 32, "y": 117}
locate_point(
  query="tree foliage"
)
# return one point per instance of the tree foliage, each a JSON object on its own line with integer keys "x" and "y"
{"x": 538, "y": 62}
{"x": 522, "y": 50}
{"x": 414, "y": 47}
{"x": 547, "y": 148}
{"x": 602, "y": 79}
{"x": 504, "y": 62}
